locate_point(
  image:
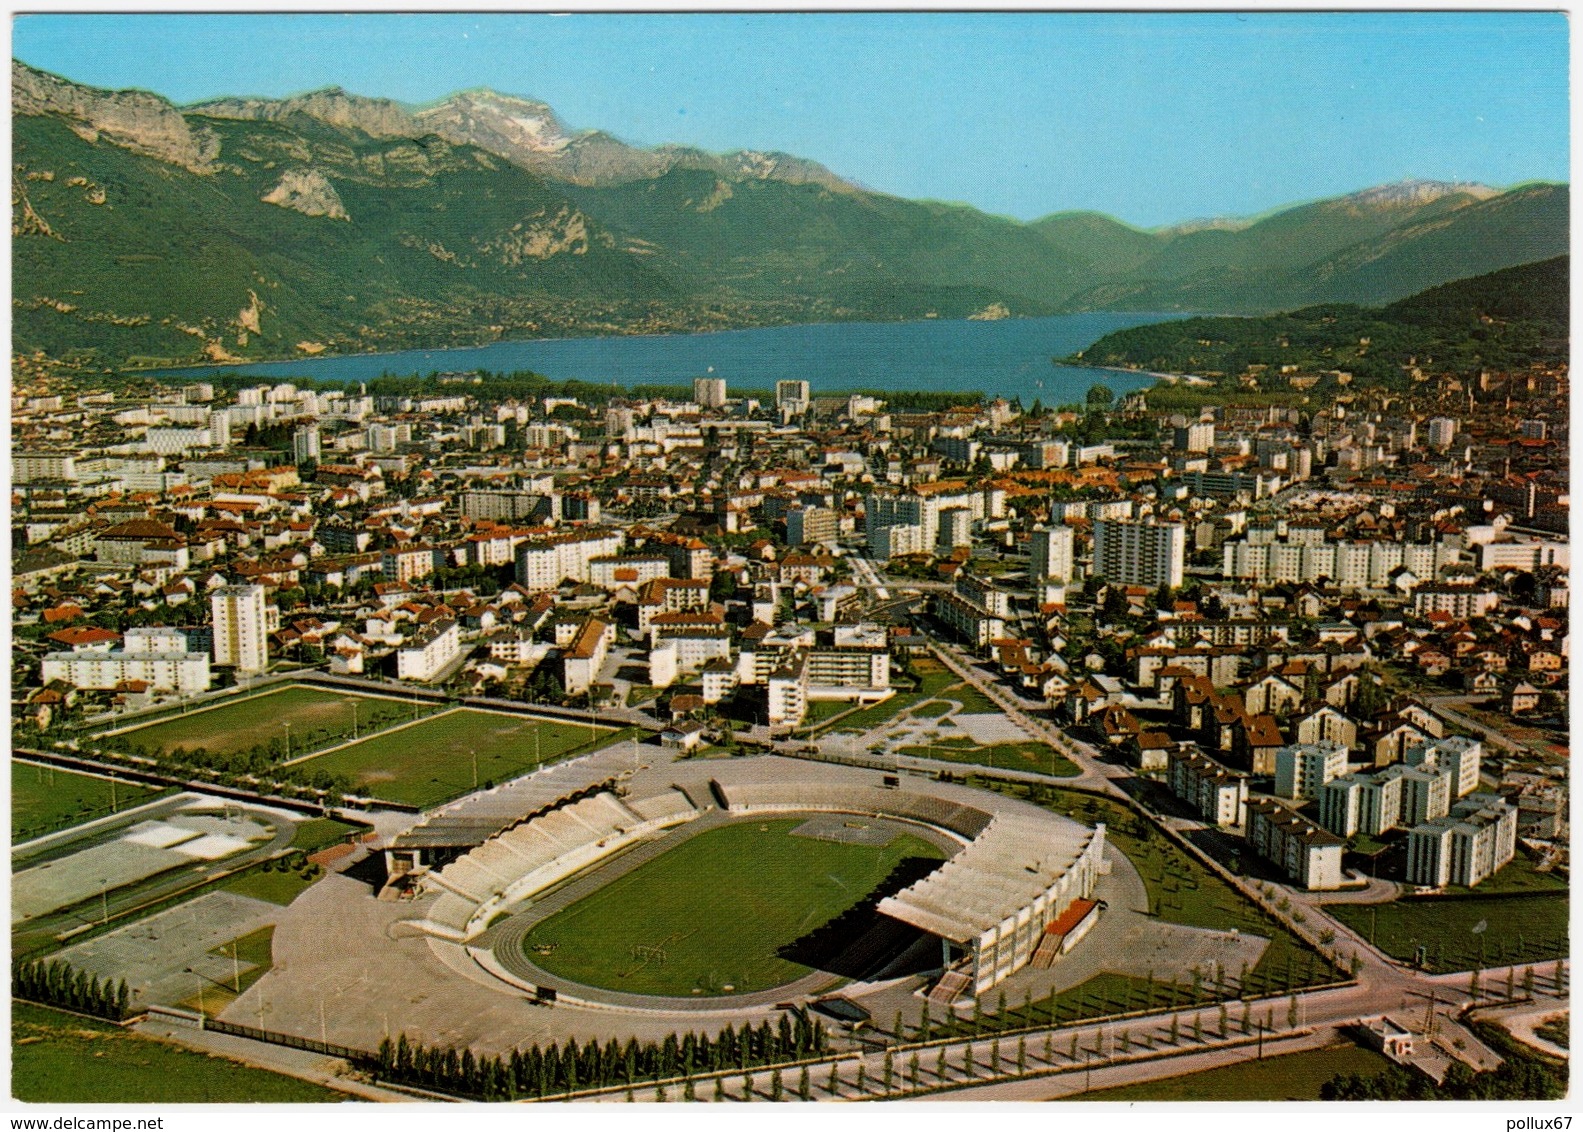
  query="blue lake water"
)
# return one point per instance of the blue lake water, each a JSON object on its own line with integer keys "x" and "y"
{"x": 1008, "y": 358}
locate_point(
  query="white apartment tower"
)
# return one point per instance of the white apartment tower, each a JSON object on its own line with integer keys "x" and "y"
{"x": 1140, "y": 553}
{"x": 241, "y": 634}
{"x": 710, "y": 392}
{"x": 1050, "y": 553}
{"x": 305, "y": 443}
{"x": 1442, "y": 431}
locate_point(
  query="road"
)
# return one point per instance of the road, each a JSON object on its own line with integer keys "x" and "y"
{"x": 1444, "y": 705}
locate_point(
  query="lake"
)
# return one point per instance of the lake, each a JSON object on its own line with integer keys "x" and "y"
{"x": 1007, "y": 358}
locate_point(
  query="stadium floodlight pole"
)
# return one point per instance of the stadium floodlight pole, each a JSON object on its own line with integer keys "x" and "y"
{"x": 474, "y": 754}
{"x": 354, "y": 719}
{"x": 286, "y": 723}
{"x": 104, "y": 900}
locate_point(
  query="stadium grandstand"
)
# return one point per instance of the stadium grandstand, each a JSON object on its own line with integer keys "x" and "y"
{"x": 1020, "y": 869}
{"x": 529, "y": 856}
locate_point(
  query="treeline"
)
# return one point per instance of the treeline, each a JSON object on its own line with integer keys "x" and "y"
{"x": 57, "y": 983}
{"x": 571, "y": 1067}
{"x": 1505, "y": 320}
{"x": 526, "y": 384}
{"x": 1513, "y": 1080}
{"x": 251, "y": 769}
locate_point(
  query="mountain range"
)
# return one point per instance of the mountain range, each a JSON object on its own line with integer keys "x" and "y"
{"x": 144, "y": 233}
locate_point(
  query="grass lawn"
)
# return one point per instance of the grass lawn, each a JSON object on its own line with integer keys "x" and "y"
{"x": 253, "y": 959}
{"x": 778, "y": 889}
{"x": 275, "y": 887}
{"x": 866, "y": 719}
{"x": 1555, "y": 1030}
{"x": 1517, "y": 929}
{"x": 1290, "y": 1077}
{"x": 317, "y": 833}
{"x": 1013, "y": 756}
{"x": 821, "y": 710}
{"x": 1518, "y": 876}
{"x": 1183, "y": 890}
{"x": 318, "y": 717}
{"x": 973, "y": 701}
{"x": 432, "y": 761}
{"x": 60, "y": 1058}
{"x": 1100, "y": 997}
{"x": 44, "y": 799}
{"x": 934, "y": 709}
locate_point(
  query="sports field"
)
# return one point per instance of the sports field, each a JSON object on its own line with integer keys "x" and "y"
{"x": 60, "y": 1058}
{"x": 432, "y": 761}
{"x": 710, "y": 916}
{"x": 1460, "y": 933}
{"x": 44, "y": 799}
{"x": 317, "y": 718}
{"x": 1290, "y": 1077}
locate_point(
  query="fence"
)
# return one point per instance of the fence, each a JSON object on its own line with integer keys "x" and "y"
{"x": 292, "y": 1041}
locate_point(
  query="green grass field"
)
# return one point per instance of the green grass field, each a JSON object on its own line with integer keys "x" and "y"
{"x": 44, "y": 799}
{"x": 432, "y": 761}
{"x": 1005, "y": 756}
{"x": 318, "y": 717}
{"x": 1517, "y": 929}
{"x": 720, "y": 905}
{"x": 317, "y": 833}
{"x": 59, "y": 1058}
{"x": 275, "y": 887}
{"x": 1102, "y": 996}
{"x": 1290, "y": 1077}
{"x": 254, "y": 957}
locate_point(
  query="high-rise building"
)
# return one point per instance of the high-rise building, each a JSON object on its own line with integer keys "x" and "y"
{"x": 1140, "y": 553}
{"x": 241, "y": 633}
{"x": 1196, "y": 437}
{"x": 806, "y": 525}
{"x": 1442, "y": 431}
{"x": 305, "y": 443}
{"x": 1050, "y": 554}
{"x": 791, "y": 397}
{"x": 710, "y": 392}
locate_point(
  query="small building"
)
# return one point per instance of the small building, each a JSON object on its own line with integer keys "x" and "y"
{"x": 1387, "y": 1036}
{"x": 685, "y": 735}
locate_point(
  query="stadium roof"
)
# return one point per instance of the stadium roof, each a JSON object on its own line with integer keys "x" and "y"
{"x": 1003, "y": 870}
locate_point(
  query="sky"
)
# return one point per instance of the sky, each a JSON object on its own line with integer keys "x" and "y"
{"x": 1154, "y": 118}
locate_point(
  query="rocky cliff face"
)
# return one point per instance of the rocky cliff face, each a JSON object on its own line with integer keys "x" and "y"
{"x": 376, "y": 117}
{"x": 309, "y": 192}
{"x": 132, "y": 119}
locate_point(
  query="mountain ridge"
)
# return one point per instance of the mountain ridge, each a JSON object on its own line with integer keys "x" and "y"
{"x": 363, "y": 223}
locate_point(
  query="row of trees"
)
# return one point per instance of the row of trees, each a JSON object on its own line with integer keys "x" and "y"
{"x": 591, "y": 1065}
{"x": 57, "y": 983}
{"x": 253, "y": 769}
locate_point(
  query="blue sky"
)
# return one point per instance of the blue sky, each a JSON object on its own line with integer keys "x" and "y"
{"x": 1153, "y": 118}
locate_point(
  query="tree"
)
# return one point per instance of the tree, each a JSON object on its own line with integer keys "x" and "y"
{"x": 1098, "y": 395}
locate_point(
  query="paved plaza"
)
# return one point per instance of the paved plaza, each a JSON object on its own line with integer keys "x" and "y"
{"x": 165, "y": 958}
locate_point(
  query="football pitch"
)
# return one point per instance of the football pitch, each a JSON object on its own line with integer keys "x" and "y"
{"x": 308, "y": 718}
{"x": 45, "y": 798}
{"x": 711, "y": 916}
{"x": 434, "y": 760}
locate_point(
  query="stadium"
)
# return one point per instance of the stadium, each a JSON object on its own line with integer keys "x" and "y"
{"x": 610, "y": 890}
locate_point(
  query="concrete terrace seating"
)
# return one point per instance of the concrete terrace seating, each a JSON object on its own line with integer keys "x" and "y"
{"x": 526, "y": 859}
{"x": 965, "y": 821}
{"x": 672, "y": 803}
